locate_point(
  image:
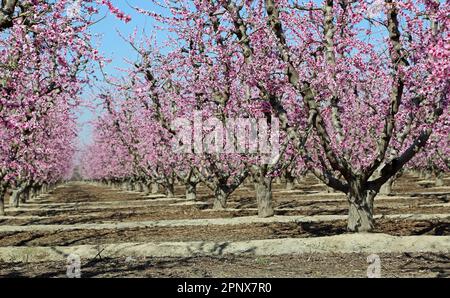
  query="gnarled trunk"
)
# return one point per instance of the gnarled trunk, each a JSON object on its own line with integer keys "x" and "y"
{"x": 154, "y": 188}
{"x": 191, "y": 191}
{"x": 220, "y": 199}
{"x": 138, "y": 187}
{"x": 263, "y": 189}
{"x": 2, "y": 205}
{"x": 2, "y": 200}
{"x": 145, "y": 188}
{"x": 439, "y": 179}
{"x": 39, "y": 190}
{"x": 34, "y": 191}
{"x": 289, "y": 181}
{"x": 14, "y": 199}
{"x": 17, "y": 194}
{"x": 360, "y": 215}
{"x": 123, "y": 185}
{"x": 424, "y": 174}
{"x": 130, "y": 185}
{"x": 25, "y": 195}
{"x": 170, "y": 190}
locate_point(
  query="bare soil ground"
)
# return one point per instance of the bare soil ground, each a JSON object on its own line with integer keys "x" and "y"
{"x": 83, "y": 203}
{"x": 305, "y": 265}
{"x": 215, "y": 233}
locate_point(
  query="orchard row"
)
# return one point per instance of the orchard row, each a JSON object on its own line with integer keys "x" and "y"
{"x": 45, "y": 61}
{"x": 359, "y": 92}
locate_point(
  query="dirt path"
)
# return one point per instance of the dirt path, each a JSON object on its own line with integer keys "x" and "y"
{"x": 213, "y": 221}
{"x": 88, "y": 219}
{"x": 304, "y": 265}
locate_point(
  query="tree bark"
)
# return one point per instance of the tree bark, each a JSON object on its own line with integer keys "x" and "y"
{"x": 138, "y": 187}
{"x": 35, "y": 191}
{"x": 220, "y": 199}
{"x": 289, "y": 181}
{"x": 2, "y": 200}
{"x": 16, "y": 195}
{"x": 14, "y": 199}
{"x": 25, "y": 195}
{"x": 263, "y": 189}
{"x": 2, "y": 205}
{"x": 191, "y": 191}
{"x": 145, "y": 188}
{"x": 170, "y": 190}
{"x": 154, "y": 188}
{"x": 360, "y": 215}
{"x": 130, "y": 185}
{"x": 439, "y": 180}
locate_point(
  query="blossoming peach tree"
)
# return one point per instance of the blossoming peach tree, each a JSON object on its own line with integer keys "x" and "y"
{"x": 45, "y": 59}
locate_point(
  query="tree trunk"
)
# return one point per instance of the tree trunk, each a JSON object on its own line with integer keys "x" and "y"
{"x": 360, "y": 215}
{"x": 191, "y": 191}
{"x": 14, "y": 199}
{"x": 289, "y": 181}
{"x": 421, "y": 174}
{"x": 145, "y": 188}
{"x": 154, "y": 188}
{"x": 130, "y": 185}
{"x": 263, "y": 189}
{"x": 170, "y": 190}
{"x": 2, "y": 205}
{"x": 220, "y": 199}
{"x": 2, "y": 200}
{"x": 25, "y": 195}
{"x": 34, "y": 192}
{"x": 439, "y": 180}
{"x": 138, "y": 187}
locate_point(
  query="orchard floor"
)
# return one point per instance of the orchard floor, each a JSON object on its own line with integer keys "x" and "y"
{"x": 127, "y": 234}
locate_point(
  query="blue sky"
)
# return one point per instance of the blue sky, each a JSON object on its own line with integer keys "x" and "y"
{"x": 111, "y": 45}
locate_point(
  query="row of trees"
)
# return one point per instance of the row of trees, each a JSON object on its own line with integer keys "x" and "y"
{"x": 354, "y": 91}
{"x": 45, "y": 60}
